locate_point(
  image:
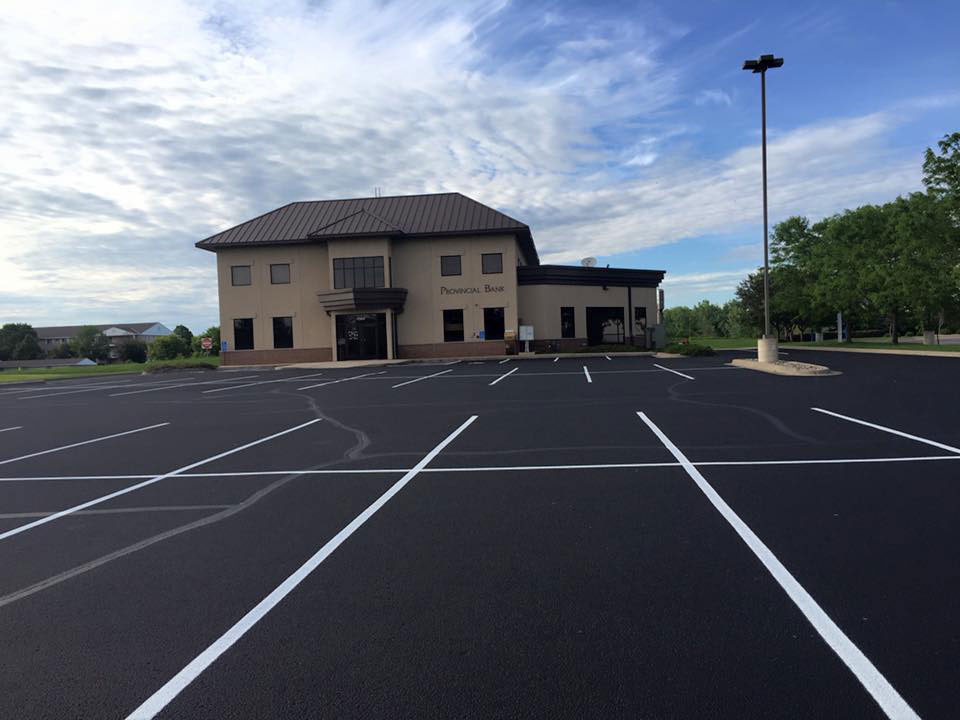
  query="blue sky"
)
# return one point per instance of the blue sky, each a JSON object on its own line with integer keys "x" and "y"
{"x": 626, "y": 131}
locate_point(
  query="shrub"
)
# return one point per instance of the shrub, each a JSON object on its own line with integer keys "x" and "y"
{"x": 691, "y": 349}
{"x": 214, "y": 334}
{"x": 168, "y": 348}
{"x": 90, "y": 342}
{"x": 193, "y": 363}
{"x": 133, "y": 351}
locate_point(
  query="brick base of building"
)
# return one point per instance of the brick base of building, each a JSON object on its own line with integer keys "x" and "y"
{"x": 275, "y": 357}
{"x": 452, "y": 349}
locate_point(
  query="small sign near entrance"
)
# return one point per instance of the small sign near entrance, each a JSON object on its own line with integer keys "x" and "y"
{"x": 223, "y": 346}
{"x": 206, "y": 343}
{"x": 526, "y": 332}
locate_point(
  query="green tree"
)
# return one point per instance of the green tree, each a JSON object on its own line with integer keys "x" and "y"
{"x": 749, "y": 294}
{"x": 734, "y": 320}
{"x": 183, "y": 332}
{"x": 61, "y": 351}
{"x": 17, "y": 340}
{"x": 679, "y": 322}
{"x": 133, "y": 351}
{"x": 90, "y": 342}
{"x": 214, "y": 334}
{"x": 941, "y": 173}
{"x": 168, "y": 347}
{"x": 707, "y": 319}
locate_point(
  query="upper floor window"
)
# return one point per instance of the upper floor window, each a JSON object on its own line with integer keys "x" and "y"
{"x": 240, "y": 274}
{"x": 359, "y": 272}
{"x": 450, "y": 265}
{"x": 492, "y": 263}
{"x": 280, "y": 274}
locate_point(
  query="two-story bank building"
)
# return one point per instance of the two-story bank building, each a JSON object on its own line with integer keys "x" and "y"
{"x": 412, "y": 277}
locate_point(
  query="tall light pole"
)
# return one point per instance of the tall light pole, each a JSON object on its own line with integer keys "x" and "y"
{"x": 761, "y": 66}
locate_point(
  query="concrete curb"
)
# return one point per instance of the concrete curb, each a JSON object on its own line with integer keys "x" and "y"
{"x": 332, "y": 365}
{"x": 876, "y": 351}
{"x": 786, "y": 368}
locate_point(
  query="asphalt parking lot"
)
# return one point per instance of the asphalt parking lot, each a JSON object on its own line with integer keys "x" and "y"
{"x": 579, "y": 538}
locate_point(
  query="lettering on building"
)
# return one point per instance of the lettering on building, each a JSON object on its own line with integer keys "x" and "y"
{"x": 470, "y": 290}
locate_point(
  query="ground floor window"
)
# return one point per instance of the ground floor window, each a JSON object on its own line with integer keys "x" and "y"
{"x": 283, "y": 332}
{"x": 453, "y": 325}
{"x": 493, "y": 323}
{"x": 243, "y": 334}
{"x": 568, "y": 324}
{"x": 605, "y": 325}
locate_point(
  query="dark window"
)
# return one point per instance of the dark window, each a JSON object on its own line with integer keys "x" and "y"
{"x": 568, "y": 324}
{"x": 492, "y": 263}
{"x": 240, "y": 274}
{"x": 283, "y": 332}
{"x": 359, "y": 272}
{"x": 450, "y": 265}
{"x": 243, "y": 334}
{"x": 640, "y": 319}
{"x": 493, "y": 323}
{"x": 280, "y": 274}
{"x": 453, "y": 325}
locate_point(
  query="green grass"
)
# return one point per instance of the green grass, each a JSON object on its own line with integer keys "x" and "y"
{"x": 873, "y": 345}
{"x": 211, "y": 362}
{"x": 69, "y": 372}
{"x": 610, "y": 349}
{"x": 719, "y": 342}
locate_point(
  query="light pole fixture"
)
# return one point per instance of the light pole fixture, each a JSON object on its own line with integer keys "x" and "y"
{"x": 761, "y": 66}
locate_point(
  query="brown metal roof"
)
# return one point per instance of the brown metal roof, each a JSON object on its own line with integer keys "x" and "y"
{"x": 439, "y": 214}
{"x": 71, "y": 330}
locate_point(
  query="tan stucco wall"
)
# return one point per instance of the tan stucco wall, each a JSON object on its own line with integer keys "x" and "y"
{"x": 416, "y": 266}
{"x": 309, "y": 268}
{"x": 540, "y": 305}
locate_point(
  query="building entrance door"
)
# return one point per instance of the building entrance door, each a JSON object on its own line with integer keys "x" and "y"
{"x": 605, "y": 325}
{"x": 362, "y": 336}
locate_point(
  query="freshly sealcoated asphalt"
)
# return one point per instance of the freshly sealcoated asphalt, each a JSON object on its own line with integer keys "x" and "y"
{"x": 542, "y": 590}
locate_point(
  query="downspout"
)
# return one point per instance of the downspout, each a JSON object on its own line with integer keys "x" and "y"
{"x": 630, "y": 312}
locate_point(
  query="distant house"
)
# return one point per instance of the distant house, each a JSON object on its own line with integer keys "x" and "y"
{"x": 48, "y": 363}
{"x": 50, "y": 337}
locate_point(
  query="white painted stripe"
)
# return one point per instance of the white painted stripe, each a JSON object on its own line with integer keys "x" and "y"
{"x": 179, "y": 385}
{"x": 587, "y": 373}
{"x": 504, "y": 375}
{"x": 162, "y": 697}
{"x": 607, "y": 357}
{"x": 101, "y": 386}
{"x": 876, "y": 684}
{"x": 452, "y": 362}
{"x": 334, "y": 382}
{"x": 116, "y": 511}
{"x": 496, "y": 468}
{"x": 505, "y": 360}
{"x": 145, "y": 483}
{"x": 555, "y": 359}
{"x": 15, "y": 427}
{"x": 673, "y": 371}
{"x": 262, "y": 382}
{"x": 84, "y": 442}
{"x": 61, "y": 384}
{"x": 418, "y": 379}
{"x": 934, "y": 443}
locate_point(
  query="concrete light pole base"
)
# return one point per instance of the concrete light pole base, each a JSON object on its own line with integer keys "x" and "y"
{"x": 767, "y": 350}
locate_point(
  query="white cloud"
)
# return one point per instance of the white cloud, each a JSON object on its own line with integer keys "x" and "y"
{"x": 713, "y": 97}
{"x": 128, "y": 135}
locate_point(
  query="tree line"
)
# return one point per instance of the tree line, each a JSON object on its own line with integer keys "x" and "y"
{"x": 887, "y": 268}
{"x": 18, "y": 341}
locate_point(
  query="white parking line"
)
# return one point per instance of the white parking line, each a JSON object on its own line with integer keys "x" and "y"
{"x": 85, "y": 442}
{"x": 555, "y": 359}
{"x": 587, "y": 373}
{"x": 15, "y": 427}
{"x": 334, "y": 382}
{"x": 145, "y": 483}
{"x": 934, "y": 443}
{"x": 607, "y": 357}
{"x": 673, "y": 371}
{"x": 452, "y": 362}
{"x": 876, "y": 684}
{"x": 92, "y": 388}
{"x": 425, "y": 377}
{"x": 262, "y": 382}
{"x": 179, "y": 385}
{"x": 504, "y": 375}
{"x": 505, "y": 360}
{"x": 495, "y": 468}
{"x": 162, "y": 697}
{"x": 115, "y": 511}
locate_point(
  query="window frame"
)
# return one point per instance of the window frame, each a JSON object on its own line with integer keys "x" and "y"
{"x": 564, "y": 309}
{"x": 233, "y": 275}
{"x": 462, "y": 337}
{"x": 351, "y": 268}
{"x": 252, "y": 335}
{"x": 483, "y": 263}
{"x": 289, "y": 318}
{"x": 289, "y": 274}
{"x": 458, "y": 258}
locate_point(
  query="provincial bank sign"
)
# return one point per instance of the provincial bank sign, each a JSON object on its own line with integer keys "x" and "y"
{"x": 470, "y": 290}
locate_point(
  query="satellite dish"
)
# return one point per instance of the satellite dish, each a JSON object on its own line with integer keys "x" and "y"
{"x": 589, "y": 262}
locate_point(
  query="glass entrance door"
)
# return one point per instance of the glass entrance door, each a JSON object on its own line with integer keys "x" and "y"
{"x": 362, "y": 336}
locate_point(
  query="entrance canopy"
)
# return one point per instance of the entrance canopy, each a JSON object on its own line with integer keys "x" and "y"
{"x": 362, "y": 299}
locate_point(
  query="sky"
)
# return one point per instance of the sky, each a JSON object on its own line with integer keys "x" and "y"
{"x": 623, "y": 131}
